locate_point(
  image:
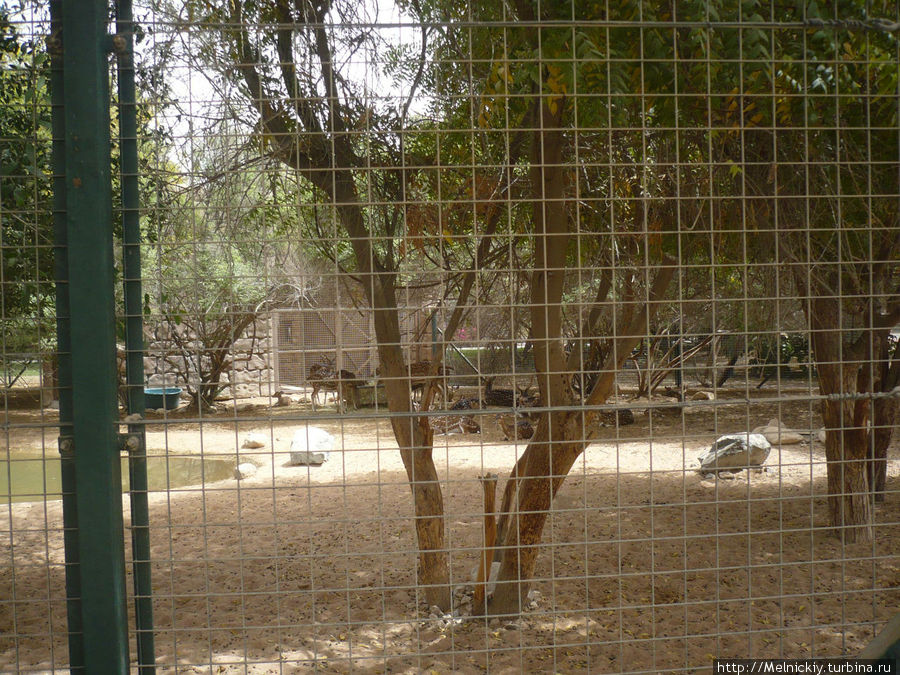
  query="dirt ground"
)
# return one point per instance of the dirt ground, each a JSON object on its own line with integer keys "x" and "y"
{"x": 645, "y": 565}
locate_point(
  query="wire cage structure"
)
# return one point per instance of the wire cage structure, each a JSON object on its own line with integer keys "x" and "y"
{"x": 606, "y": 297}
{"x": 341, "y": 338}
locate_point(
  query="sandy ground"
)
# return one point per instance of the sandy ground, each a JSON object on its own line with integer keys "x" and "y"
{"x": 645, "y": 565}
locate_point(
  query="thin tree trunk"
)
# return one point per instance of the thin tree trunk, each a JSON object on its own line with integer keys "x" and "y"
{"x": 413, "y": 433}
{"x": 884, "y": 413}
{"x": 415, "y": 439}
{"x": 884, "y": 418}
{"x": 489, "y": 487}
{"x": 546, "y": 467}
{"x": 561, "y": 433}
{"x": 558, "y": 441}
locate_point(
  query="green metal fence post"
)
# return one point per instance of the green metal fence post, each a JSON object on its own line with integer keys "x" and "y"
{"x": 63, "y": 344}
{"x": 134, "y": 336}
{"x": 91, "y": 301}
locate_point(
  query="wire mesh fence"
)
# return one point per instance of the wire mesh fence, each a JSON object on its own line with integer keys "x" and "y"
{"x": 472, "y": 337}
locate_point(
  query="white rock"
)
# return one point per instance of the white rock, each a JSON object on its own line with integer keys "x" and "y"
{"x": 244, "y": 470}
{"x": 311, "y": 445}
{"x": 788, "y": 436}
{"x": 253, "y": 440}
{"x": 778, "y": 435}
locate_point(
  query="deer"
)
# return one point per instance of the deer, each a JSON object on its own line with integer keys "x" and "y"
{"x": 506, "y": 398}
{"x": 344, "y": 383}
{"x": 454, "y": 424}
{"x": 515, "y": 427}
{"x": 420, "y": 375}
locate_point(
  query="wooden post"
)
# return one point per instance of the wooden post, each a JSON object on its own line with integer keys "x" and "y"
{"x": 489, "y": 485}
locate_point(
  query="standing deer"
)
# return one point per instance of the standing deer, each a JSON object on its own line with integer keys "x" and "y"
{"x": 344, "y": 383}
{"x": 420, "y": 375}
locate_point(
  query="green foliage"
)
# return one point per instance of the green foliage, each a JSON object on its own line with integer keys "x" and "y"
{"x": 193, "y": 279}
{"x": 26, "y": 236}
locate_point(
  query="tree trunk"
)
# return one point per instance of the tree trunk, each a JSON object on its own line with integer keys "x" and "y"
{"x": 846, "y": 418}
{"x": 561, "y": 435}
{"x": 547, "y": 464}
{"x": 846, "y": 450}
{"x": 884, "y": 413}
{"x": 884, "y": 418}
{"x": 558, "y": 441}
{"x": 413, "y": 433}
{"x": 549, "y": 454}
{"x": 415, "y": 439}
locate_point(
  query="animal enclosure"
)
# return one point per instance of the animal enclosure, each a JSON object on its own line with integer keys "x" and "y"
{"x": 580, "y": 324}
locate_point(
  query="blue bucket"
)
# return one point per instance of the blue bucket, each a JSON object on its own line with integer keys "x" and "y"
{"x": 162, "y": 397}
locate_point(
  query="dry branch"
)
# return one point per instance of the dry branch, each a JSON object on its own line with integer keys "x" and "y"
{"x": 489, "y": 485}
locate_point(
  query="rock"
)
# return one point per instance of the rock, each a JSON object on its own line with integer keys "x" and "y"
{"x": 306, "y": 458}
{"x": 244, "y": 470}
{"x": 511, "y": 635}
{"x": 253, "y": 440}
{"x": 703, "y": 396}
{"x": 820, "y": 435}
{"x": 460, "y": 592}
{"x": 735, "y": 451}
{"x": 310, "y": 445}
{"x": 777, "y": 434}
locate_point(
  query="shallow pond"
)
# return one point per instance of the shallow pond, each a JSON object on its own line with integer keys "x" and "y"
{"x": 29, "y": 478}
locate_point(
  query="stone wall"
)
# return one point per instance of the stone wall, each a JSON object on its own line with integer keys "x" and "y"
{"x": 249, "y": 374}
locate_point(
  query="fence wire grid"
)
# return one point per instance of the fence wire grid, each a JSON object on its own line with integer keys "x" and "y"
{"x": 512, "y": 337}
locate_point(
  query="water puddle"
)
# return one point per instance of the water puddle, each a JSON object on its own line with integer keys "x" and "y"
{"x": 33, "y": 478}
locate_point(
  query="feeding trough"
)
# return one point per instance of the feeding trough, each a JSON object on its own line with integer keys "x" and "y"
{"x": 162, "y": 397}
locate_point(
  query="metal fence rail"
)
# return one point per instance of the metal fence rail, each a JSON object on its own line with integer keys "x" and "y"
{"x": 605, "y": 302}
